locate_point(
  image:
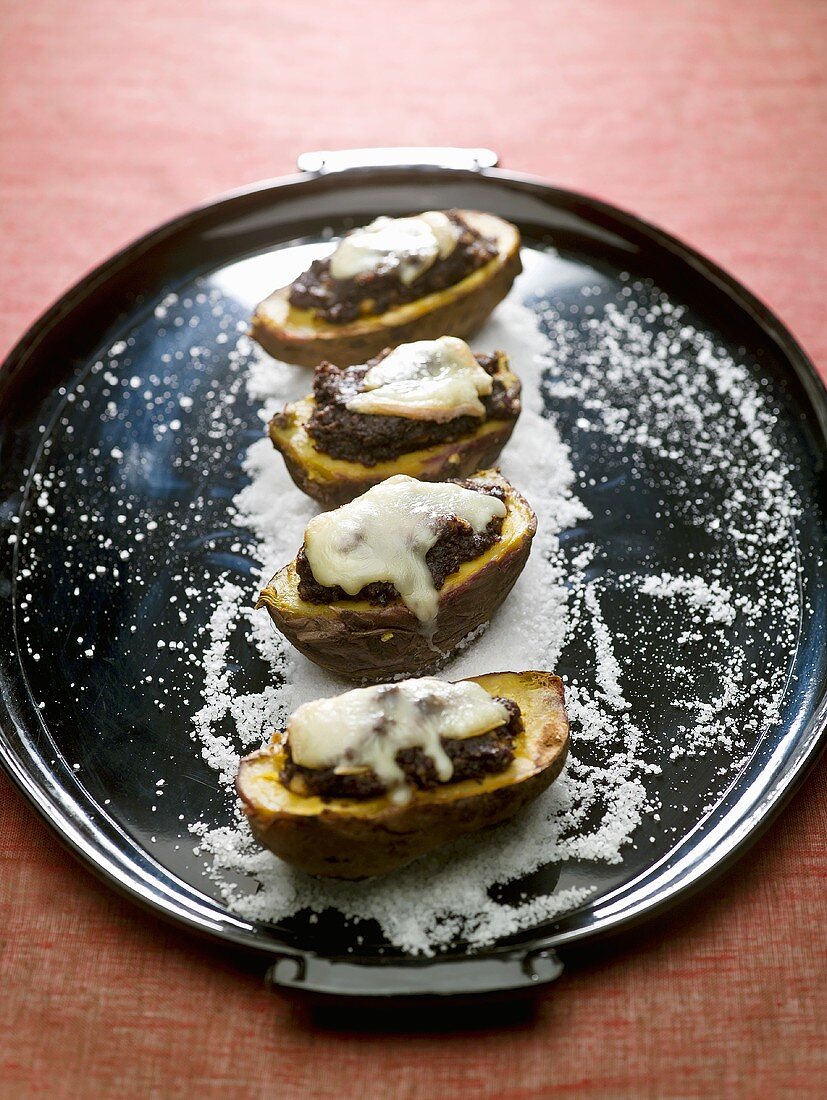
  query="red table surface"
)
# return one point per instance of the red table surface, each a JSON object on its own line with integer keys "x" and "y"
{"x": 705, "y": 117}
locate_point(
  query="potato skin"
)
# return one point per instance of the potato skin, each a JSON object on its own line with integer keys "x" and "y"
{"x": 364, "y": 643}
{"x": 336, "y": 481}
{"x": 459, "y": 311}
{"x": 345, "y": 839}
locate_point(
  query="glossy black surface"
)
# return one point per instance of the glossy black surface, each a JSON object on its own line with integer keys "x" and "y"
{"x": 82, "y": 676}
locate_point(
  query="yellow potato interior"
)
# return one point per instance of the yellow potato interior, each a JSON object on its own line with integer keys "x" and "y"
{"x": 541, "y": 706}
{"x": 283, "y": 592}
{"x": 322, "y": 467}
{"x": 304, "y": 323}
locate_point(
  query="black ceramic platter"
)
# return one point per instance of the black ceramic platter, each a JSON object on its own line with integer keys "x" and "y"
{"x": 96, "y": 713}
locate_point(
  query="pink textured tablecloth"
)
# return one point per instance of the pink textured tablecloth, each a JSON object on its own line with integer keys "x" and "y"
{"x": 706, "y": 117}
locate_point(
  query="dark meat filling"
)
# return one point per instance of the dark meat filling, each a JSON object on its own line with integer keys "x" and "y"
{"x": 369, "y": 438}
{"x": 458, "y": 543}
{"x": 472, "y": 758}
{"x": 339, "y": 301}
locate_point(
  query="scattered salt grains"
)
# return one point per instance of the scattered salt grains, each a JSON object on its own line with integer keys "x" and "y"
{"x": 639, "y": 375}
{"x": 595, "y": 807}
{"x": 608, "y": 669}
{"x": 711, "y": 597}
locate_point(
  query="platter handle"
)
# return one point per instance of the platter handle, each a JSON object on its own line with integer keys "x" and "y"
{"x": 323, "y": 161}
{"x": 506, "y": 971}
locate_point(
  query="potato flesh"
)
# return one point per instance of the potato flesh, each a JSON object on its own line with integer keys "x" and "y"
{"x": 264, "y": 792}
{"x": 277, "y": 311}
{"x": 393, "y": 527}
{"x": 283, "y": 589}
{"x": 300, "y": 337}
{"x": 294, "y": 440}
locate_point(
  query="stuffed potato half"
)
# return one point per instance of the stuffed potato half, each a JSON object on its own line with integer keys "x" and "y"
{"x": 300, "y": 336}
{"x": 350, "y": 839}
{"x": 359, "y": 641}
{"x": 335, "y": 481}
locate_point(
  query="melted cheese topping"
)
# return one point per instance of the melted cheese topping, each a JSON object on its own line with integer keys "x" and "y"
{"x": 367, "y": 727}
{"x": 427, "y": 380}
{"x": 408, "y": 245}
{"x": 385, "y": 534}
